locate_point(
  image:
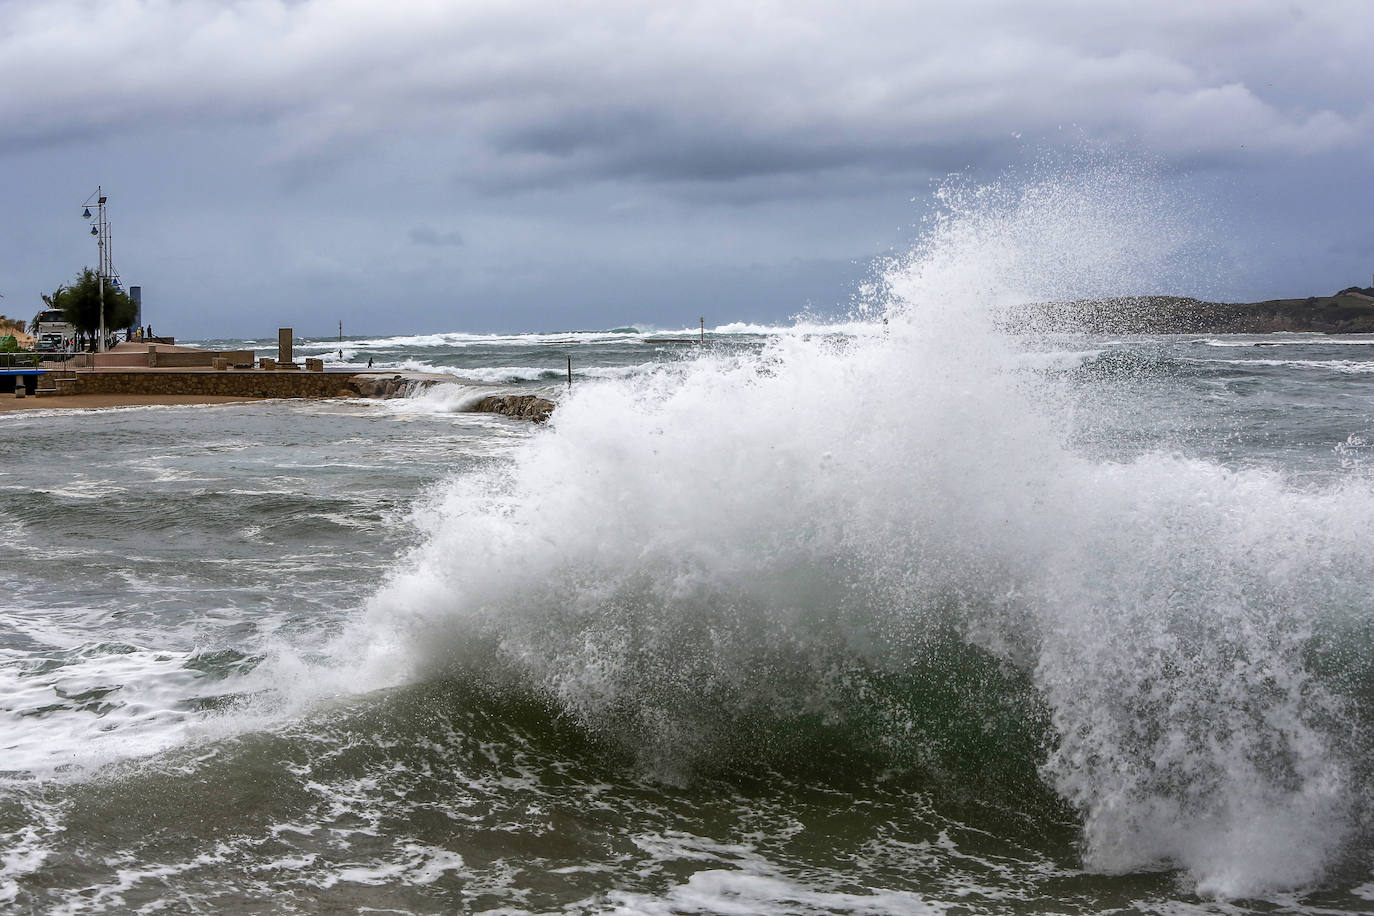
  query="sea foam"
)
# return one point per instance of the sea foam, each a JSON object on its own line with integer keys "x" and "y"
{"x": 754, "y": 535}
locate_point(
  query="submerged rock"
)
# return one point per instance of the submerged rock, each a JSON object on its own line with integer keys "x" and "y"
{"x": 371, "y": 386}
{"x": 521, "y": 406}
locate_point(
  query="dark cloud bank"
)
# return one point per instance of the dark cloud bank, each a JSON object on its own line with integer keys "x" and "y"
{"x": 415, "y": 166}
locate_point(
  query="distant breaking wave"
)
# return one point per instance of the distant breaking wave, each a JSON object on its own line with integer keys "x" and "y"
{"x": 460, "y": 339}
{"x": 1346, "y": 366}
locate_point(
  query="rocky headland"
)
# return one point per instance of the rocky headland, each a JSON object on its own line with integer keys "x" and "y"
{"x": 1351, "y": 311}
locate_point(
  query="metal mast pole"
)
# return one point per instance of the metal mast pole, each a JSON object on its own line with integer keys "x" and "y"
{"x": 100, "y": 271}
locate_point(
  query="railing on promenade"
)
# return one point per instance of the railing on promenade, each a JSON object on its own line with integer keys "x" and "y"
{"x": 21, "y": 360}
{"x": 37, "y": 359}
{"x": 52, "y": 365}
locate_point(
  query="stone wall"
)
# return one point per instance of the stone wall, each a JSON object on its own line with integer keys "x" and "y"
{"x": 184, "y": 360}
{"x": 260, "y": 383}
{"x": 168, "y": 359}
{"x": 120, "y": 360}
{"x": 254, "y": 384}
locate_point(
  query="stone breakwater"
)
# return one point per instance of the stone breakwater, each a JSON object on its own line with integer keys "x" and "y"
{"x": 254, "y": 384}
{"x": 376, "y": 386}
{"x": 285, "y": 384}
{"x": 521, "y": 406}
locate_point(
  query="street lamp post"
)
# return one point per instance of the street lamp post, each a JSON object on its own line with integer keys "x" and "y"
{"x": 101, "y": 230}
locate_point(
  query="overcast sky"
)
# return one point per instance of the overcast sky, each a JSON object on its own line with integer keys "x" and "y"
{"x": 426, "y": 166}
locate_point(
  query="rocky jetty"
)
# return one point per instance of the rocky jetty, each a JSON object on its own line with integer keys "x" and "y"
{"x": 521, "y": 406}
{"x": 377, "y": 386}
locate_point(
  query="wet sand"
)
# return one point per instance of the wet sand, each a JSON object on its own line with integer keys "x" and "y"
{"x": 90, "y": 401}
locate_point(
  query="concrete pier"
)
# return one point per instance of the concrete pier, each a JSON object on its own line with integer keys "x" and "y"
{"x": 235, "y": 381}
{"x": 245, "y": 383}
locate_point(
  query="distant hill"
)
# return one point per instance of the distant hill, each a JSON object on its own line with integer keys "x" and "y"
{"x": 1351, "y": 311}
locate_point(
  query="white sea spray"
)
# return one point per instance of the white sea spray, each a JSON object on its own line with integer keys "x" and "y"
{"x": 678, "y": 547}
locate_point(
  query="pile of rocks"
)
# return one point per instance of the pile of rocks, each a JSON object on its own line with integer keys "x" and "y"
{"x": 521, "y": 406}
{"x": 372, "y": 386}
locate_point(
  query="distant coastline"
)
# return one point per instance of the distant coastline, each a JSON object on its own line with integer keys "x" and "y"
{"x": 1351, "y": 311}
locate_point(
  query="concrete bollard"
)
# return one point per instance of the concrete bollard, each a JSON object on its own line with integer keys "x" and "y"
{"x": 314, "y": 365}
{"x": 219, "y": 362}
{"x": 19, "y": 389}
{"x": 267, "y": 363}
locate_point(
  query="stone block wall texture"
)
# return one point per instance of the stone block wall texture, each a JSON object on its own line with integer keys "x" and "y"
{"x": 121, "y": 360}
{"x": 163, "y": 359}
{"x": 228, "y": 384}
{"x": 283, "y": 384}
{"x": 167, "y": 360}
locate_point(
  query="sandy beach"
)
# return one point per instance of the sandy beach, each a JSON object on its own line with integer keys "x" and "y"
{"x": 91, "y": 401}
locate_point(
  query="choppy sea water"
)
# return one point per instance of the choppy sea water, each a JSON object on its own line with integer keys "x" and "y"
{"x": 922, "y": 613}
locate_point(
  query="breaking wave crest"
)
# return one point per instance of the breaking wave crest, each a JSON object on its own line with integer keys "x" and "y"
{"x": 888, "y": 544}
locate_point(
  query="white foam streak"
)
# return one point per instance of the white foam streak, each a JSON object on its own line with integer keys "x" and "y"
{"x": 729, "y": 892}
{"x": 511, "y": 375}
{"x": 1312, "y": 339}
{"x": 136, "y": 694}
{"x": 441, "y": 398}
{"x": 461, "y": 340}
{"x": 1343, "y": 366}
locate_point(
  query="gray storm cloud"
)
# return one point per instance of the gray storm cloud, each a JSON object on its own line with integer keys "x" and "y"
{"x": 586, "y": 146}
{"x": 708, "y": 91}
